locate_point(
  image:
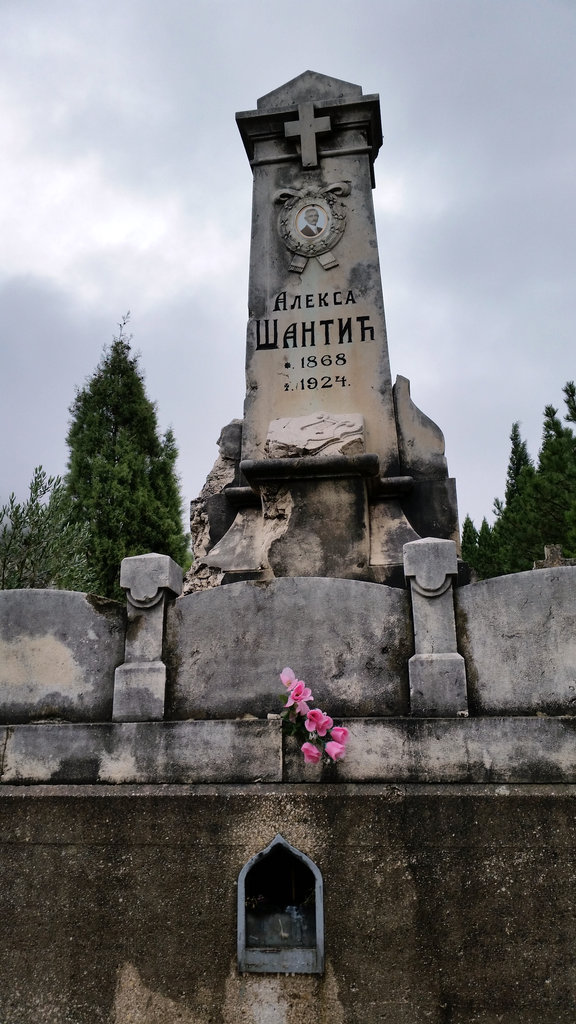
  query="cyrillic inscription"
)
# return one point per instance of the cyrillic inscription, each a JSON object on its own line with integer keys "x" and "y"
{"x": 311, "y": 300}
{"x": 305, "y": 333}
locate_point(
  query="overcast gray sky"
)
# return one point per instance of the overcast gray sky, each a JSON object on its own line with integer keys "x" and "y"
{"x": 124, "y": 186}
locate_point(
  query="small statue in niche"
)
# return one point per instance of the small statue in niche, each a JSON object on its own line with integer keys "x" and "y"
{"x": 280, "y": 902}
{"x": 280, "y": 912}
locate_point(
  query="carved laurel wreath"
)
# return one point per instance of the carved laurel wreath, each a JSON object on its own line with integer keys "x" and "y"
{"x": 331, "y": 212}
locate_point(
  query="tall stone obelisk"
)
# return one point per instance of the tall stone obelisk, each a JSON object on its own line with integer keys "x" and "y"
{"x": 316, "y": 339}
{"x": 336, "y": 468}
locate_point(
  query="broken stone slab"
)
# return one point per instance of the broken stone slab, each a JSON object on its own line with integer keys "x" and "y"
{"x": 242, "y": 549}
{"x": 315, "y": 434}
{"x": 420, "y": 440}
{"x": 389, "y": 532}
{"x": 210, "y": 514}
{"x": 313, "y": 520}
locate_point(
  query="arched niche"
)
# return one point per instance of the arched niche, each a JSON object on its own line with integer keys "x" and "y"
{"x": 280, "y": 912}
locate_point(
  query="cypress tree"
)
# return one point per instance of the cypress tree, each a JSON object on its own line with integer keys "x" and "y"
{"x": 121, "y": 472}
{"x": 512, "y": 531}
{"x": 554, "y": 501}
{"x": 569, "y": 390}
{"x": 519, "y": 459}
{"x": 570, "y": 399}
{"x": 487, "y": 561}
{"x": 470, "y": 543}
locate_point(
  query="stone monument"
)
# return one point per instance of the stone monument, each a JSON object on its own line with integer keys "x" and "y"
{"x": 167, "y": 854}
{"x": 335, "y": 467}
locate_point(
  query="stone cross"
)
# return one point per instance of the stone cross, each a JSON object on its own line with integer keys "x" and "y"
{"x": 307, "y": 127}
{"x": 553, "y": 558}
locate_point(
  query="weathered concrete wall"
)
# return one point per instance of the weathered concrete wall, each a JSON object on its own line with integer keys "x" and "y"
{"x": 58, "y": 652}
{"x": 442, "y": 904}
{"x": 350, "y": 640}
{"x": 518, "y": 637}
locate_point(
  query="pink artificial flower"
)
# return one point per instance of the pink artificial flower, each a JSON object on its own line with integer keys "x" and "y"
{"x": 340, "y": 734}
{"x": 299, "y": 694}
{"x": 288, "y": 678}
{"x": 335, "y": 750}
{"x": 302, "y": 708}
{"x": 318, "y": 722}
{"x": 311, "y": 753}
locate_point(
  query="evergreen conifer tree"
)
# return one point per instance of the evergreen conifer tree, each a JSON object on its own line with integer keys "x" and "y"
{"x": 519, "y": 460}
{"x": 470, "y": 543}
{"x": 487, "y": 562}
{"x": 539, "y": 507}
{"x": 121, "y": 472}
{"x": 40, "y": 544}
{"x": 570, "y": 399}
{"x": 512, "y": 528}
{"x": 554, "y": 489}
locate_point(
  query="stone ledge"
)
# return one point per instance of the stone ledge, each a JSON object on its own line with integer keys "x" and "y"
{"x": 394, "y": 792}
{"x": 316, "y": 466}
{"x": 442, "y": 750}
{"x": 142, "y": 752}
{"x": 398, "y": 750}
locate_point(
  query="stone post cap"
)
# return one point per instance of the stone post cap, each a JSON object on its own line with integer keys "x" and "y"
{"x": 431, "y": 563}
{"x": 146, "y": 576}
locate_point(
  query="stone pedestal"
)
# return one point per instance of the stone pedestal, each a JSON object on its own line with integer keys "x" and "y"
{"x": 315, "y": 514}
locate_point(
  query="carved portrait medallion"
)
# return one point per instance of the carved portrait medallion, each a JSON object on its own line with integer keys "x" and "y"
{"x": 311, "y": 222}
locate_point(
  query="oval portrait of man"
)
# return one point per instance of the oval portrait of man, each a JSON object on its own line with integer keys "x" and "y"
{"x": 311, "y": 221}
